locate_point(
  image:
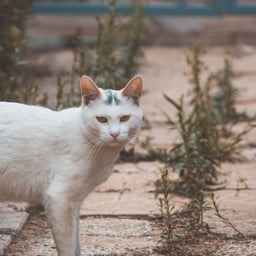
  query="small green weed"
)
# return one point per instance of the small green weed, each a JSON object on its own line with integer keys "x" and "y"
{"x": 197, "y": 157}
{"x": 168, "y": 238}
{"x": 223, "y": 101}
{"x": 179, "y": 227}
{"x": 202, "y": 145}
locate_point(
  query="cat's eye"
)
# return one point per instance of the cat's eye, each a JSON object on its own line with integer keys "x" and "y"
{"x": 102, "y": 119}
{"x": 124, "y": 118}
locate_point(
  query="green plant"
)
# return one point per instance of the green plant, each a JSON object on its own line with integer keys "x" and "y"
{"x": 203, "y": 145}
{"x": 179, "y": 227}
{"x": 223, "y": 109}
{"x": 161, "y": 154}
{"x": 30, "y": 95}
{"x": 167, "y": 210}
{"x": 13, "y": 15}
{"x": 111, "y": 63}
{"x": 116, "y": 63}
{"x": 197, "y": 157}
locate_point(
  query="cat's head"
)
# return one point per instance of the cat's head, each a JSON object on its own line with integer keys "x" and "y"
{"x": 111, "y": 116}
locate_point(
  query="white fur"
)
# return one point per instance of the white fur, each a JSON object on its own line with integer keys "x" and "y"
{"x": 57, "y": 158}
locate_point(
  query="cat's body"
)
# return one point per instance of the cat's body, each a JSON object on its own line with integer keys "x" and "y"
{"x": 56, "y": 158}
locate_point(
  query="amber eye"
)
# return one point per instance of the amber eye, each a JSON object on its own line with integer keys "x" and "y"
{"x": 124, "y": 118}
{"x": 102, "y": 119}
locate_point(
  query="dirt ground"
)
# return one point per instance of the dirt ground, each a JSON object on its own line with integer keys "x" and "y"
{"x": 120, "y": 217}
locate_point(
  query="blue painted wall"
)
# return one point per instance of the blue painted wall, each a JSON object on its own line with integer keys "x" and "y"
{"x": 180, "y": 8}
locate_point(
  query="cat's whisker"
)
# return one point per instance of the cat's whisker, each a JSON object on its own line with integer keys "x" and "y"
{"x": 95, "y": 145}
{"x": 96, "y": 150}
{"x": 94, "y": 141}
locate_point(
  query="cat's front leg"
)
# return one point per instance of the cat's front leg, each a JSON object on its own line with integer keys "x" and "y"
{"x": 63, "y": 217}
{"x": 78, "y": 247}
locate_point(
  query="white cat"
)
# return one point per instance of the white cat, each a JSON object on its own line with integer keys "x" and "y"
{"x": 56, "y": 158}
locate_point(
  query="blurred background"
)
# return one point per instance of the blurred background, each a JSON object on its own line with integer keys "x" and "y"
{"x": 42, "y": 43}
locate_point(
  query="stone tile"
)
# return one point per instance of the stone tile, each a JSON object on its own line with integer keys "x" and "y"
{"x": 150, "y": 167}
{"x": 128, "y": 191}
{"x": 237, "y": 207}
{"x": 120, "y": 203}
{"x": 12, "y": 222}
{"x": 127, "y": 203}
{"x": 239, "y": 175}
{"x": 125, "y": 168}
{"x": 11, "y": 206}
{"x": 114, "y": 236}
{"x": 137, "y": 181}
{"x": 5, "y": 240}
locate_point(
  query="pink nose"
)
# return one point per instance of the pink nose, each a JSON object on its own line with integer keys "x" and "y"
{"x": 114, "y": 134}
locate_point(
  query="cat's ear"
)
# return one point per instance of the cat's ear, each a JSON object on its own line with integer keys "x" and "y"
{"x": 89, "y": 90}
{"x": 133, "y": 89}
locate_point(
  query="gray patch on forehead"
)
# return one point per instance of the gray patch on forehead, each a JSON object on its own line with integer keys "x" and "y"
{"x": 109, "y": 95}
{"x": 111, "y": 98}
{"x": 117, "y": 101}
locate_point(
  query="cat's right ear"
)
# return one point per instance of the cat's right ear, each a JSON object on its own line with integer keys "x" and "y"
{"x": 89, "y": 90}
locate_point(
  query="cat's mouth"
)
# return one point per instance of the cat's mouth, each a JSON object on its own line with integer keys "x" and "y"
{"x": 116, "y": 142}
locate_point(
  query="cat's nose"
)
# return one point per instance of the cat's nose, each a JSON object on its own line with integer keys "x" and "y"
{"x": 114, "y": 134}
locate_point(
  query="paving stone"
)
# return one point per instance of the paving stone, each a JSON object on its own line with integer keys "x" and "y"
{"x": 237, "y": 207}
{"x": 134, "y": 182}
{"x": 12, "y": 221}
{"x": 116, "y": 203}
{"x": 11, "y": 206}
{"x": 125, "y": 192}
{"x": 129, "y": 190}
{"x": 5, "y": 240}
{"x": 132, "y": 237}
{"x": 127, "y": 203}
{"x": 240, "y": 176}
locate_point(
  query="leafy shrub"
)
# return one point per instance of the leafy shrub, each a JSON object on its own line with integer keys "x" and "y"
{"x": 202, "y": 145}
{"x": 110, "y": 63}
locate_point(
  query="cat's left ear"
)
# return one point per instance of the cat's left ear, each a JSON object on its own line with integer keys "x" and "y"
{"x": 89, "y": 90}
{"x": 133, "y": 89}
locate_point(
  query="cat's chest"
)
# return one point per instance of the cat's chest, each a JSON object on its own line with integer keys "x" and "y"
{"x": 100, "y": 167}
